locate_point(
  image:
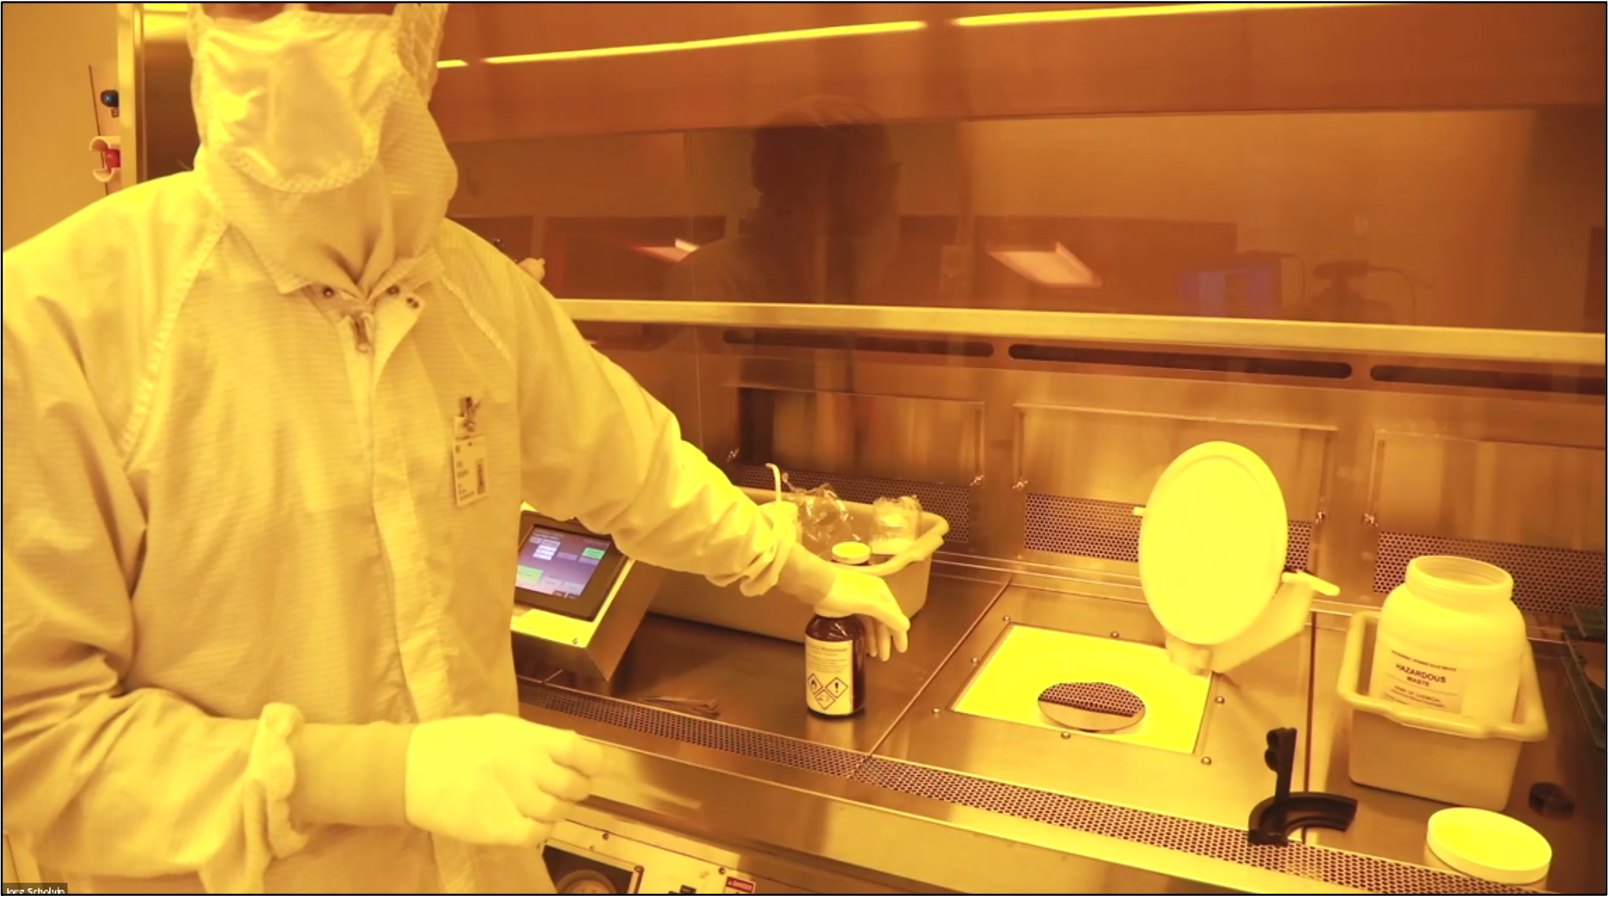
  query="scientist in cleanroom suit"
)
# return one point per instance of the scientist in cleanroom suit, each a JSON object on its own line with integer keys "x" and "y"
{"x": 256, "y": 613}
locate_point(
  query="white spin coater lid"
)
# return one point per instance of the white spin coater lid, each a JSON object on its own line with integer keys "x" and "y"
{"x": 1213, "y": 543}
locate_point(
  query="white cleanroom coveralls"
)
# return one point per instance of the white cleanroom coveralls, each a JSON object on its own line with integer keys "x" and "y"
{"x": 256, "y": 626}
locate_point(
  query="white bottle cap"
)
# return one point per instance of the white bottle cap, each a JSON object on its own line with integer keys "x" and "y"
{"x": 851, "y": 553}
{"x": 1489, "y": 846}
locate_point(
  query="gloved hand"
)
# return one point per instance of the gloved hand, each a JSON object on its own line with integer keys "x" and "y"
{"x": 868, "y": 597}
{"x": 496, "y": 780}
{"x": 536, "y": 268}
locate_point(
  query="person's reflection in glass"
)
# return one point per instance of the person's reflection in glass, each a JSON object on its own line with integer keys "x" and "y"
{"x": 827, "y": 224}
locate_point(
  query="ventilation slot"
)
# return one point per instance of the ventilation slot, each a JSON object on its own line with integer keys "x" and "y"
{"x": 953, "y": 503}
{"x": 1179, "y": 361}
{"x": 811, "y": 339}
{"x": 1548, "y": 581}
{"x": 1108, "y": 530}
{"x": 1512, "y": 381}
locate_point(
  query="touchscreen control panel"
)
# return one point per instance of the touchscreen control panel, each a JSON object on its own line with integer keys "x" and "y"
{"x": 559, "y": 564}
{"x": 564, "y": 569}
{"x": 577, "y": 599}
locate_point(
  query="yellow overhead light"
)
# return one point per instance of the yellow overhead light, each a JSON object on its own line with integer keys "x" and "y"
{"x": 450, "y": 64}
{"x": 1053, "y": 267}
{"x": 1134, "y": 11}
{"x": 674, "y": 253}
{"x": 742, "y": 40}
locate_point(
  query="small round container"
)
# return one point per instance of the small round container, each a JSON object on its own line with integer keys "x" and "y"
{"x": 1487, "y": 846}
{"x": 852, "y": 553}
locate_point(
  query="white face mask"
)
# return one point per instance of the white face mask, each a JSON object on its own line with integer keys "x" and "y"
{"x": 297, "y": 102}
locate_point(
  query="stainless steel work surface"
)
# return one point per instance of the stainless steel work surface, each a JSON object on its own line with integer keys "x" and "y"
{"x": 758, "y": 682}
{"x": 1220, "y": 781}
{"x": 1393, "y": 825}
{"x": 955, "y": 803}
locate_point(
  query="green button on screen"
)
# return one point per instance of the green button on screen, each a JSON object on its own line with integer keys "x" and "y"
{"x": 595, "y": 554}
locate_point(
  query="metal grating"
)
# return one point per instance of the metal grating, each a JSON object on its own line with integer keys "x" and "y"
{"x": 1169, "y": 832}
{"x": 1107, "y": 529}
{"x": 1140, "y": 826}
{"x": 1545, "y": 580}
{"x": 1096, "y": 697}
{"x": 953, "y": 503}
{"x": 692, "y": 730}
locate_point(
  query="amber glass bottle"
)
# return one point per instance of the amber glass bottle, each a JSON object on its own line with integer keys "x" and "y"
{"x": 834, "y": 666}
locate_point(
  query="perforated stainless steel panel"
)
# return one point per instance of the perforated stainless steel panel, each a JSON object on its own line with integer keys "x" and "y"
{"x": 1545, "y": 580}
{"x": 1141, "y": 826}
{"x": 1099, "y": 697}
{"x": 692, "y": 730}
{"x": 1108, "y": 530}
{"x": 953, "y": 503}
{"x": 1169, "y": 832}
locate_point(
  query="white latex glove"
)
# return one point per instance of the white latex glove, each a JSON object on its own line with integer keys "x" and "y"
{"x": 867, "y": 597}
{"x": 496, "y": 780}
{"x": 536, "y": 268}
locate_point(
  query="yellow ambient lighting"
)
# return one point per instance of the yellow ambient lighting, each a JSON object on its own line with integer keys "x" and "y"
{"x": 1133, "y": 12}
{"x": 742, "y": 40}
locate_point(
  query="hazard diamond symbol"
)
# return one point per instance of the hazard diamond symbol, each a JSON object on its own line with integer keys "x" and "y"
{"x": 824, "y": 698}
{"x": 837, "y": 687}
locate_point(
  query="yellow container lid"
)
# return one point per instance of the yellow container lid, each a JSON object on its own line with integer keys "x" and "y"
{"x": 851, "y": 553}
{"x": 1489, "y": 846}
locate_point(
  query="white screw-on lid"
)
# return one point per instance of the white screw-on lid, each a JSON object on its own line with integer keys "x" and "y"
{"x": 851, "y": 553}
{"x": 1489, "y": 846}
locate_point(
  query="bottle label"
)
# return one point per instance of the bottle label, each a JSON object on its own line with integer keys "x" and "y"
{"x": 1423, "y": 683}
{"x": 829, "y": 676}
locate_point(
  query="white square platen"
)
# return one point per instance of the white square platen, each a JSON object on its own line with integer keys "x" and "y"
{"x": 1027, "y": 660}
